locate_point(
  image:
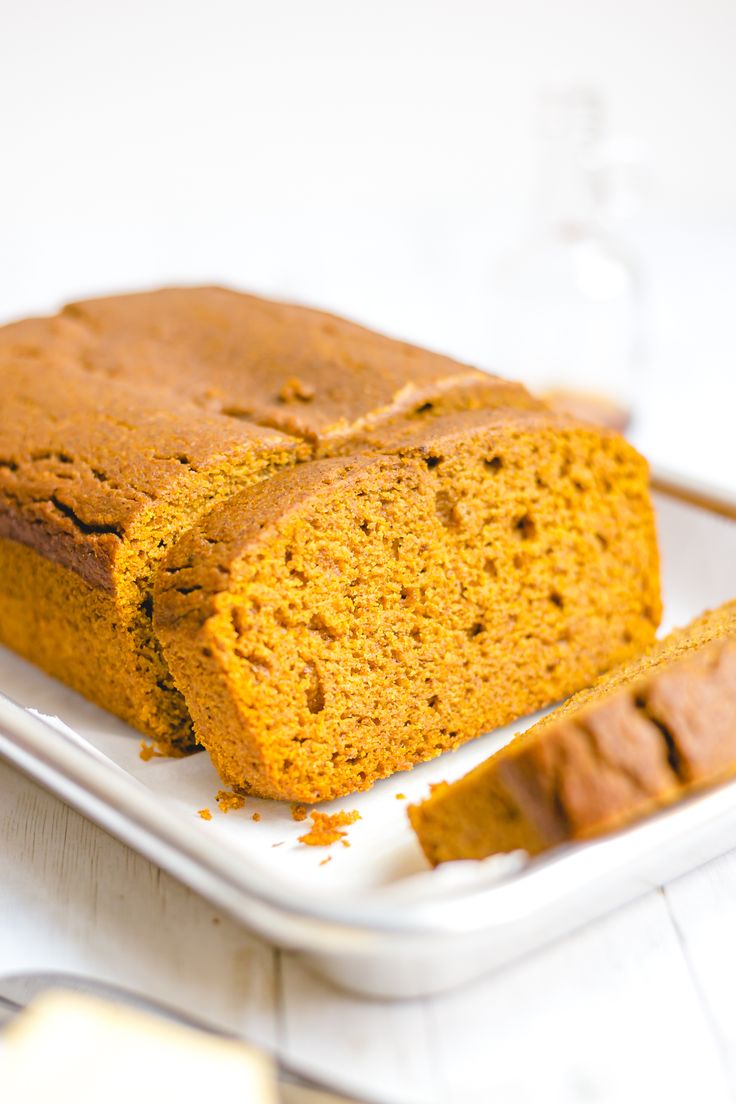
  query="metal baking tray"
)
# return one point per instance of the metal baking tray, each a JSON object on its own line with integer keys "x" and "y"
{"x": 374, "y": 918}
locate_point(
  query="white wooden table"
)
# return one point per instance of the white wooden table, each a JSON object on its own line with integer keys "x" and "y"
{"x": 638, "y": 1006}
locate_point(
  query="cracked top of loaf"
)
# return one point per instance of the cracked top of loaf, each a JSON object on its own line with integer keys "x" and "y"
{"x": 302, "y": 371}
{"x": 85, "y": 459}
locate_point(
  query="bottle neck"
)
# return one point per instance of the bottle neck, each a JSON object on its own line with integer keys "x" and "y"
{"x": 570, "y": 125}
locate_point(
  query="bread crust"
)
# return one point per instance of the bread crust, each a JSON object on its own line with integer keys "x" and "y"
{"x": 302, "y": 371}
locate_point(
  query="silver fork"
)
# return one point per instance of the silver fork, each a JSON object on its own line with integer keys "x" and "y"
{"x": 297, "y": 1084}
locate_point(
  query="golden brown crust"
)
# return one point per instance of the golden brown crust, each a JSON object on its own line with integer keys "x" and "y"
{"x": 307, "y": 373}
{"x": 644, "y": 736}
{"x": 82, "y": 458}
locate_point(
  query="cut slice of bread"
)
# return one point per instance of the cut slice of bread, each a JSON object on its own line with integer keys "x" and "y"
{"x": 352, "y": 617}
{"x": 644, "y": 735}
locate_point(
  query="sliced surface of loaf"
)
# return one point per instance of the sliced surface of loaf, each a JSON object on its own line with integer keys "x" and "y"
{"x": 352, "y": 617}
{"x": 643, "y": 736}
{"x": 97, "y": 478}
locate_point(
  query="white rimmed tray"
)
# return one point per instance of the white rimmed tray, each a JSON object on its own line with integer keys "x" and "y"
{"x": 374, "y": 918}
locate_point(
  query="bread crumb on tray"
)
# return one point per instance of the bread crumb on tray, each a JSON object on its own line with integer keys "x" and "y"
{"x": 160, "y": 749}
{"x": 228, "y": 800}
{"x": 326, "y": 828}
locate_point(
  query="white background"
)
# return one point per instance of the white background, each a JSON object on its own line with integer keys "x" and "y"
{"x": 371, "y": 158}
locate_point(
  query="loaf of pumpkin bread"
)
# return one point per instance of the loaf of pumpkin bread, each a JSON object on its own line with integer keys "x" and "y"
{"x": 643, "y": 736}
{"x": 354, "y": 616}
{"x": 445, "y": 556}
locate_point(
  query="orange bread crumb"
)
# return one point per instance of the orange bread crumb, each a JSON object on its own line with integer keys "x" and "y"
{"x": 205, "y": 814}
{"x": 228, "y": 800}
{"x": 256, "y": 816}
{"x": 299, "y": 812}
{"x": 324, "y": 862}
{"x": 401, "y": 797}
{"x": 326, "y": 828}
{"x": 160, "y": 749}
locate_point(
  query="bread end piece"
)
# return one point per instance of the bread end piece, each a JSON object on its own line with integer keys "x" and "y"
{"x": 645, "y": 735}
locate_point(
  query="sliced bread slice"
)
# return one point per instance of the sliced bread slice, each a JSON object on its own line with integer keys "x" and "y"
{"x": 352, "y": 617}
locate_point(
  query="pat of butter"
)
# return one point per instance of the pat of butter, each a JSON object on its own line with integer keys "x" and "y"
{"x": 66, "y": 1046}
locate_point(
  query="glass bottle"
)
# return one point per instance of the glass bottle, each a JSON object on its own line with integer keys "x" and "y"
{"x": 569, "y": 299}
